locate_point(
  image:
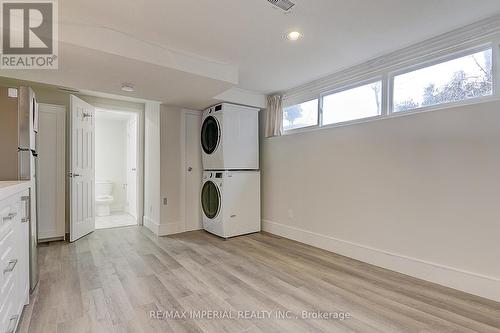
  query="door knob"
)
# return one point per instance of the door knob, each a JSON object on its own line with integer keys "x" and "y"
{"x": 190, "y": 169}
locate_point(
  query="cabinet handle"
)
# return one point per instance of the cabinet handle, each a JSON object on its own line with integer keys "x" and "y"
{"x": 12, "y": 324}
{"x": 10, "y": 216}
{"x": 10, "y": 267}
{"x": 27, "y": 208}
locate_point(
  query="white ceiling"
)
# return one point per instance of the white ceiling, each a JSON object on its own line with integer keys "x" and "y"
{"x": 187, "y": 52}
{"x": 91, "y": 70}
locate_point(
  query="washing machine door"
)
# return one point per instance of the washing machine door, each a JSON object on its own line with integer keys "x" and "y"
{"x": 210, "y": 199}
{"x": 210, "y": 135}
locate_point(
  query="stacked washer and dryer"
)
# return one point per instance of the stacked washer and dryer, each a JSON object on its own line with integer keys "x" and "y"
{"x": 230, "y": 192}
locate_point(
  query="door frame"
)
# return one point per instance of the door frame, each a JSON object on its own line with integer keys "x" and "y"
{"x": 137, "y": 194}
{"x": 60, "y": 112}
{"x": 184, "y": 113}
{"x": 140, "y": 151}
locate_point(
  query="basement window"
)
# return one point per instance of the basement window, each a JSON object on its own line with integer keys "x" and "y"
{"x": 351, "y": 104}
{"x": 455, "y": 80}
{"x": 300, "y": 115}
{"x": 399, "y": 86}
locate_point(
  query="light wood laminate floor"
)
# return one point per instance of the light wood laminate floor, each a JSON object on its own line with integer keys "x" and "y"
{"x": 112, "y": 279}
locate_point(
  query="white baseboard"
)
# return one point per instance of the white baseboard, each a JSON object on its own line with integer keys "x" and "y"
{"x": 44, "y": 235}
{"x": 163, "y": 229}
{"x": 470, "y": 282}
{"x": 151, "y": 225}
{"x": 171, "y": 228}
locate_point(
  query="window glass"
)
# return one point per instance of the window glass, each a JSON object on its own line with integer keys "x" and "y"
{"x": 356, "y": 103}
{"x": 209, "y": 135}
{"x": 451, "y": 81}
{"x": 300, "y": 115}
{"x": 210, "y": 199}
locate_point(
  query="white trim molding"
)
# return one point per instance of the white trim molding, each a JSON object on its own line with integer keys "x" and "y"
{"x": 163, "y": 229}
{"x": 467, "y": 37}
{"x": 151, "y": 225}
{"x": 171, "y": 228}
{"x": 470, "y": 282}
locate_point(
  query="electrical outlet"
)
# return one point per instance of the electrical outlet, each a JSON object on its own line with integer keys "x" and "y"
{"x": 165, "y": 201}
{"x": 290, "y": 214}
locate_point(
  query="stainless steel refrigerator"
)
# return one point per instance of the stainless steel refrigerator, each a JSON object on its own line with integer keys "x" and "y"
{"x": 18, "y": 152}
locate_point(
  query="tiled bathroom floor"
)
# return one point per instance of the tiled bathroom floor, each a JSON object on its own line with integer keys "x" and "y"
{"x": 117, "y": 219}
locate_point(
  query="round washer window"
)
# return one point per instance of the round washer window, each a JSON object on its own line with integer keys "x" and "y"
{"x": 210, "y": 199}
{"x": 210, "y": 135}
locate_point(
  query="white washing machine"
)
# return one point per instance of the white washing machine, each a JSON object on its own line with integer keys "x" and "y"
{"x": 230, "y": 202}
{"x": 230, "y": 137}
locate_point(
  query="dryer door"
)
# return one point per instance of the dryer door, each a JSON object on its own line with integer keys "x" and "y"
{"x": 210, "y": 199}
{"x": 210, "y": 135}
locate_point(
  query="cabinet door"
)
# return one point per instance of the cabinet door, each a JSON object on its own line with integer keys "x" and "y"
{"x": 4, "y": 215}
{"x": 51, "y": 172}
{"x": 9, "y": 248}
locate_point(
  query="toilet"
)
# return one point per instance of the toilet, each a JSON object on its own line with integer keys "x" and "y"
{"x": 103, "y": 198}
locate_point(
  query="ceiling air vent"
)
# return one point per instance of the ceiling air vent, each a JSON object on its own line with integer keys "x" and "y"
{"x": 285, "y": 5}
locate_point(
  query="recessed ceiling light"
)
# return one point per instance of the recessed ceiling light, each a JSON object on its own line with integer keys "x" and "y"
{"x": 128, "y": 87}
{"x": 294, "y": 35}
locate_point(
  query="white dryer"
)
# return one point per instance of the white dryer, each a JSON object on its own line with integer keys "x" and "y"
{"x": 230, "y": 202}
{"x": 230, "y": 137}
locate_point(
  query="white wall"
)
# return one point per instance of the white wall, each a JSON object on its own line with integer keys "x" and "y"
{"x": 164, "y": 162}
{"x": 162, "y": 165}
{"x": 152, "y": 167}
{"x": 417, "y": 194}
{"x": 171, "y": 169}
{"x": 111, "y": 156}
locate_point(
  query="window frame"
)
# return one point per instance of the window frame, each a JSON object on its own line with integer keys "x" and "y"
{"x": 355, "y": 85}
{"x": 436, "y": 61}
{"x": 387, "y": 75}
{"x": 304, "y": 128}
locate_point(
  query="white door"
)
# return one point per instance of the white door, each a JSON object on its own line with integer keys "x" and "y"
{"x": 193, "y": 171}
{"x": 82, "y": 168}
{"x": 51, "y": 139}
{"x": 132, "y": 167}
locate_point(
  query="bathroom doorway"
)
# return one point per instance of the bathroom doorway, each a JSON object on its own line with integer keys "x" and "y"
{"x": 116, "y": 185}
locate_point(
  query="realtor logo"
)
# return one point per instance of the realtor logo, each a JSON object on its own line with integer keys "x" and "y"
{"x": 29, "y": 35}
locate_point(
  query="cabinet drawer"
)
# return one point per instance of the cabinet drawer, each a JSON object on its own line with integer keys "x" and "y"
{"x": 5, "y": 211}
{"x": 9, "y": 212}
{"x": 14, "y": 271}
{"x": 8, "y": 309}
{"x": 9, "y": 260}
{"x": 4, "y": 204}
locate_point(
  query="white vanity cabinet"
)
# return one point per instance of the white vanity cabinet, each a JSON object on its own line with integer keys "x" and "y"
{"x": 14, "y": 255}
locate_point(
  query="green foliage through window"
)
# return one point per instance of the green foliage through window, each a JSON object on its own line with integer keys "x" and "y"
{"x": 456, "y": 80}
